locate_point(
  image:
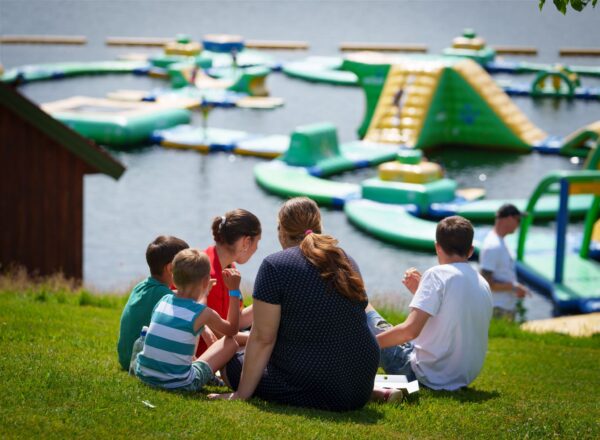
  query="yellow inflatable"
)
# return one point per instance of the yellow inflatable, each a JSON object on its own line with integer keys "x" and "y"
{"x": 596, "y": 232}
{"x": 183, "y": 46}
{"x": 423, "y": 172}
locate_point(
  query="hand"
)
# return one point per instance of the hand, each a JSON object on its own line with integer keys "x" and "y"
{"x": 412, "y": 278}
{"x": 211, "y": 284}
{"x": 232, "y": 278}
{"x": 521, "y": 291}
{"x": 226, "y": 396}
{"x": 208, "y": 336}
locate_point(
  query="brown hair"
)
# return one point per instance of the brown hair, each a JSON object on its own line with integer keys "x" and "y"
{"x": 234, "y": 225}
{"x": 300, "y": 221}
{"x": 189, "y": 267}
{"x": 161, "y": 252}
{"x": 455, "y": 235}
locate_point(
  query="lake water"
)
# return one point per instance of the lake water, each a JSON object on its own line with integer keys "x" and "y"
{"x": 179, "y": 192}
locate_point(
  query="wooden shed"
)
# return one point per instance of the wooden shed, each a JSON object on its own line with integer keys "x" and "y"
{"x": 42, "y": 165}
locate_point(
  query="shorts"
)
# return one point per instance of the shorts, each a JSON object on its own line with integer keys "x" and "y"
{"x": 396, "y": 359}
{"x": 203, "y": 374}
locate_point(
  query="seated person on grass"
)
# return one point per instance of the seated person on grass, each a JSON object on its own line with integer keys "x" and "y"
{"x": 167, "y": 359}
{"x": 236, "y": 235}
{"x": 443, "y": 341}
{"x": 147, "y": 293}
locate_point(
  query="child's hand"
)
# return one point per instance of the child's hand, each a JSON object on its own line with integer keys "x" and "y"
{"x": 232, "y": 278}
{"x": 208, "y": 336}
{"x": 211, "y": 284}
{"x": 412, "y": 278}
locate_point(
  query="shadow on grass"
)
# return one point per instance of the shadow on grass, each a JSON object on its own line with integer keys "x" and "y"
{"x": 470, "y": 395}
{"x": 364, "y": 416}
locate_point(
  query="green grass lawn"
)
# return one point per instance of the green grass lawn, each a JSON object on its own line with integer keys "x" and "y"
{"x": 60, "y": 378}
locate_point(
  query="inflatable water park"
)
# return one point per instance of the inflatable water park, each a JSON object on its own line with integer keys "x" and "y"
{"x": 414, "y": 103}
{"x": 551, "y": 80}
{"x": 216, "y": 72}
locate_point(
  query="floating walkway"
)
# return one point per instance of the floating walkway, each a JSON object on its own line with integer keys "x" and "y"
{"x": 43, "y": 39}
{"x": 584, "y": 93}
{"x": 314, "y": 152}
{"x": 192, "y": 97}
{"x": 284, "y": 180}
{"x": 210, "y": 140}
{"x": 400, "y": 225}
{"x": 383, "y": 47}
{"x": 115, "y": 123}
{"x": 517, "y": 68}
{"x": 321, "y": 69}
{"x": 392, "y": 223}
{"x": 39, "y": 72}
{"x": 485, "y": 210}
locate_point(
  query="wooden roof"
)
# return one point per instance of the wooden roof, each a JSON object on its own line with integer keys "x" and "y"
{"x": 85, "y": 149}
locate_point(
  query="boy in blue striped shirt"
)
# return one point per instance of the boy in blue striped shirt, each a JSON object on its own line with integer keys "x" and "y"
{"x": 167, "y": 360}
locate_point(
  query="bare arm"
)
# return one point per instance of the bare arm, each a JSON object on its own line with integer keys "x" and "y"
{"x": 407, "y": 331}
{"x": 212, "y": 319}
{"x": 260, "y": 346}
{"x": 209, "y": 317}
{"x": 246, "y": 317}
{"x": 497, "y": 286}
{"x": 258, "y": 350}
{"x": 231, "y": 279}
{"x": 208, "y": 336}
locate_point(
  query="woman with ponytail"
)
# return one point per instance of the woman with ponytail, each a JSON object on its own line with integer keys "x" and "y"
{"x": 236, "y": 236}
{"x": 309, "y": 344}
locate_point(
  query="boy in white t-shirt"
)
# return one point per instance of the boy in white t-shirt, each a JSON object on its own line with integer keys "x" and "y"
{"x": 497, "y": 264}
{"x": 443, "y": 341}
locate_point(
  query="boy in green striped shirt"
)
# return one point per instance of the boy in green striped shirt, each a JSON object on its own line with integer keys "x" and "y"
{"x": 167, "y": 360}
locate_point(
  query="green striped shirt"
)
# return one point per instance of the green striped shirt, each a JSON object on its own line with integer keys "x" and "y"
{"x": 166, "y": 359}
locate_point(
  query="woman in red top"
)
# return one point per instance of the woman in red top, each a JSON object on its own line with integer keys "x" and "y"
{"x": 236, "y": 236}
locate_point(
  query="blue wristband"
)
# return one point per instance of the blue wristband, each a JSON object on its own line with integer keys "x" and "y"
{"x": 235, "y": 293}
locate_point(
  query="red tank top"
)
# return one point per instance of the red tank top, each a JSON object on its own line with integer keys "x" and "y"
{"x": 218, "y": 297}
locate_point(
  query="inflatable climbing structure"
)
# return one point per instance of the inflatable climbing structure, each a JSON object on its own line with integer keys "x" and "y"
{"x": 432, "y": 101}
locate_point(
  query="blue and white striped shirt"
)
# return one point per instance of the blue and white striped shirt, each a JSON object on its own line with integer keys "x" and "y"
{"x": 166, "y": 360}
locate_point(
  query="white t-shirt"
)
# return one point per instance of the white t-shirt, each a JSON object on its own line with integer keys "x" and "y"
{"x": 496, "y": 258}
{"x": 450, "y": 350}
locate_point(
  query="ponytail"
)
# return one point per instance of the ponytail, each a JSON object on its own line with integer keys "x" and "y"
{"x": 333, "y": 265}
{"x": 300, "y": 222}
{"x": 235, "y": 224}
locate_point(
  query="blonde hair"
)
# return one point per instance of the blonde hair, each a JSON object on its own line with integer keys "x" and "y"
{"x": 189, "y": 267}
{"x": 300, "y": 221}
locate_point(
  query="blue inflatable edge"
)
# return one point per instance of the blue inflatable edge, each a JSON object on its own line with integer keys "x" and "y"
{"x": 547, "y": 288}
{"x": 213, "y": 46}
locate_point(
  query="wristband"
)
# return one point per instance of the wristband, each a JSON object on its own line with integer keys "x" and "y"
{"x": 235, "y": 293}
